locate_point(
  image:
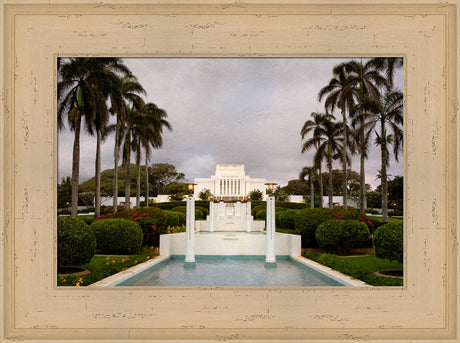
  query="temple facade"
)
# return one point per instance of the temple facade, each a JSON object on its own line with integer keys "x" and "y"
{"x": 230, "y": 182}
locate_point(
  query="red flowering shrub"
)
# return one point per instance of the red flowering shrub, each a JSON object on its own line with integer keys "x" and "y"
{"x": 153, "y": 222}
{"x": 308, "y": 220}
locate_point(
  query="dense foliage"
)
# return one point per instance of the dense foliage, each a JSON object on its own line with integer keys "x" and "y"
{"x": 117, "y": 236}
{"x": 76, "y": 243}
{"x": 153, "y": 222}
{"x": 360, "y": 267}
{"x": 286, "y": 219}
{"x": 388, "y": 242}
{"x": 339, "y": 236}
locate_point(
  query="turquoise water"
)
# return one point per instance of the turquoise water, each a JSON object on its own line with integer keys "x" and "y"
{"x": 230, "y": 271}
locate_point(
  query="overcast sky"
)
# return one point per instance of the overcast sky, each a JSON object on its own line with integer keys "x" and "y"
{"x": 229, "y": 110}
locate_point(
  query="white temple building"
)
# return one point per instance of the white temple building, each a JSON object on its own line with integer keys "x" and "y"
{"x": 230, "y": 183}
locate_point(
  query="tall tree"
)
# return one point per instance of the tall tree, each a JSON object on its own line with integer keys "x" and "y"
{"x": 364, "y": 81}
{"x": 339, "y": 95}
{"x": 312, "y": 126}
{"x": 105, "y": 79}
{"x": 385, "y": 118}
{"x": 152, "y": 137}
{"x": 131, "y": 90}
{"x": 79, "y": 99}
{"x": 310, "y": 171}
{"x": 327, "y": 139}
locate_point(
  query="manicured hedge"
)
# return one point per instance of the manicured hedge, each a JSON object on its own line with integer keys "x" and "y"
{"x": 257, "y": 209}
{"x": 286, "y": 219}
{"x": 199, "y": 214}
{"x": 339, "y": 236}
{"x": 152, "y": 221}
{"x": 117, "y": 236}
{"x": 76, "y": 243}
{"x": 261, "y": 215}
{"x": 388, "y": 242}
{"x": 172, "y": 218}
{"x": 307, "y": 221}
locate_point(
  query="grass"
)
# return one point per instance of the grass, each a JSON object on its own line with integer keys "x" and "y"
{"x": 101, "y": 267}
{"x": 390, "y": 219}
{"x": 359, "y": 267}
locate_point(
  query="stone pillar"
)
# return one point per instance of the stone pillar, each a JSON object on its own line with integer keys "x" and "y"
{"x": 211, "y": 216}
{"x": 270, "y": 259}
{"x": 190, "y": 231}
{"x": 248, "y": 216}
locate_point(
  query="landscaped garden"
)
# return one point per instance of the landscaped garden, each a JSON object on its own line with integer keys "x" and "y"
{"x": 114, "y": 242}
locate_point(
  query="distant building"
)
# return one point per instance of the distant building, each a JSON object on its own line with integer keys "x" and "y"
{"x": 230, "y": 183}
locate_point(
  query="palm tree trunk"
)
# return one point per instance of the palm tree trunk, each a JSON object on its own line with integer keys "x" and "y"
{"x": 383, "y": 182}
{"x": 146, "y": 178}
{"x": 128, "y": 181}
{"x": 97, "y": 190}
{"x": 344, "y": 159}
{"x": 76, "y": 166}
{"x": 362, "y": 185}
{"x": 115, "y": 167}
{"x": 138, "y": 179}
{"x": 329, "y": 191}
{"x": 312, "y": 193}
{"x": 321, "y": 191}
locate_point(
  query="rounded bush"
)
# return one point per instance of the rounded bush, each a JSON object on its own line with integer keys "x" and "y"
{"x": 76, "y": 243}
{"x": 152, "y": 221}
{"x": 261, "y": 215}
{"x": 339, "y": 236}
{"x": 172, "y": 218}
{"x": 388, "y": 242}
{"x": 120, "y": 236}
{"x": 182, "y": 218}
{"x": 287, "y": 219}
{"x": 257, "y": 209}
{"x": 204, "y": 210}
{"x": 306, "y": 221}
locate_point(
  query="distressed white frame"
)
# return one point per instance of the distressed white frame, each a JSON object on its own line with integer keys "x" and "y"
{"x": 35, "y": 32}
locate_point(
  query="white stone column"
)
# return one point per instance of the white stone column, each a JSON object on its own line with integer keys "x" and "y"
{"x": 190, "y": 231}
{"x": 211, "y": 216}
{"x": 270, "y": 259}
{"x": 248, "y": 216}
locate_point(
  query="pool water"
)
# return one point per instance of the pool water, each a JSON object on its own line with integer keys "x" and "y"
{"x": 230, "y": 271}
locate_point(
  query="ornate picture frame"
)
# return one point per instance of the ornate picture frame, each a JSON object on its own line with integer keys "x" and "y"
{"x": 35, "y": 33}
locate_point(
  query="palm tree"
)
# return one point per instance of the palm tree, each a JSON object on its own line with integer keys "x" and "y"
{"x": 129, "y": 136}
{"x": 312, "y": 126}
{"x": 364, "y": 80}
{"x": 310, "y": 171}
{"x": 79, "y": 99}
{"x": 386, "y": 114}
{"x": 105, "y": 79}
{"x": 152, "y": 138}
{"x": 327, "y": 139}
{"x": 388, "y": 65}
{"x": 338, "y": 94}
{"x": 131, "y": 90}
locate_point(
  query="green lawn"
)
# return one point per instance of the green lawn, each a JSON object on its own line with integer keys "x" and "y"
{"x": 360, "y": 267}
{"x": 101, "y": 267}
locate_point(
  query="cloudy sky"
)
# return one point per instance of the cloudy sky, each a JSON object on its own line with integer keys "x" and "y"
{"x": 229, "y": 110}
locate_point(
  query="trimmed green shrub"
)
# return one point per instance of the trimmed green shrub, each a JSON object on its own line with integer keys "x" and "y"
{"x": 118, "y": 236}
{"x": 388, "y": 242}
{"x": 204, "y": 210}
{"x": 287, "y": 219}
{"x": 306, "y": 221}
{"x": 257, "y": 209}
{"x": 199, "y": 211}
{"x": 152, "y": 221}
{"x": 261, "y": 215}
{"x": 76, "y": 243}
{"x": 172, "y": 218}
{"x": 339, "y": 236}
{"x": 182, "y": 218}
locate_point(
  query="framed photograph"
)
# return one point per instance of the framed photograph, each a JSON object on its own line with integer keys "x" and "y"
{"x": 36, "y": 34}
